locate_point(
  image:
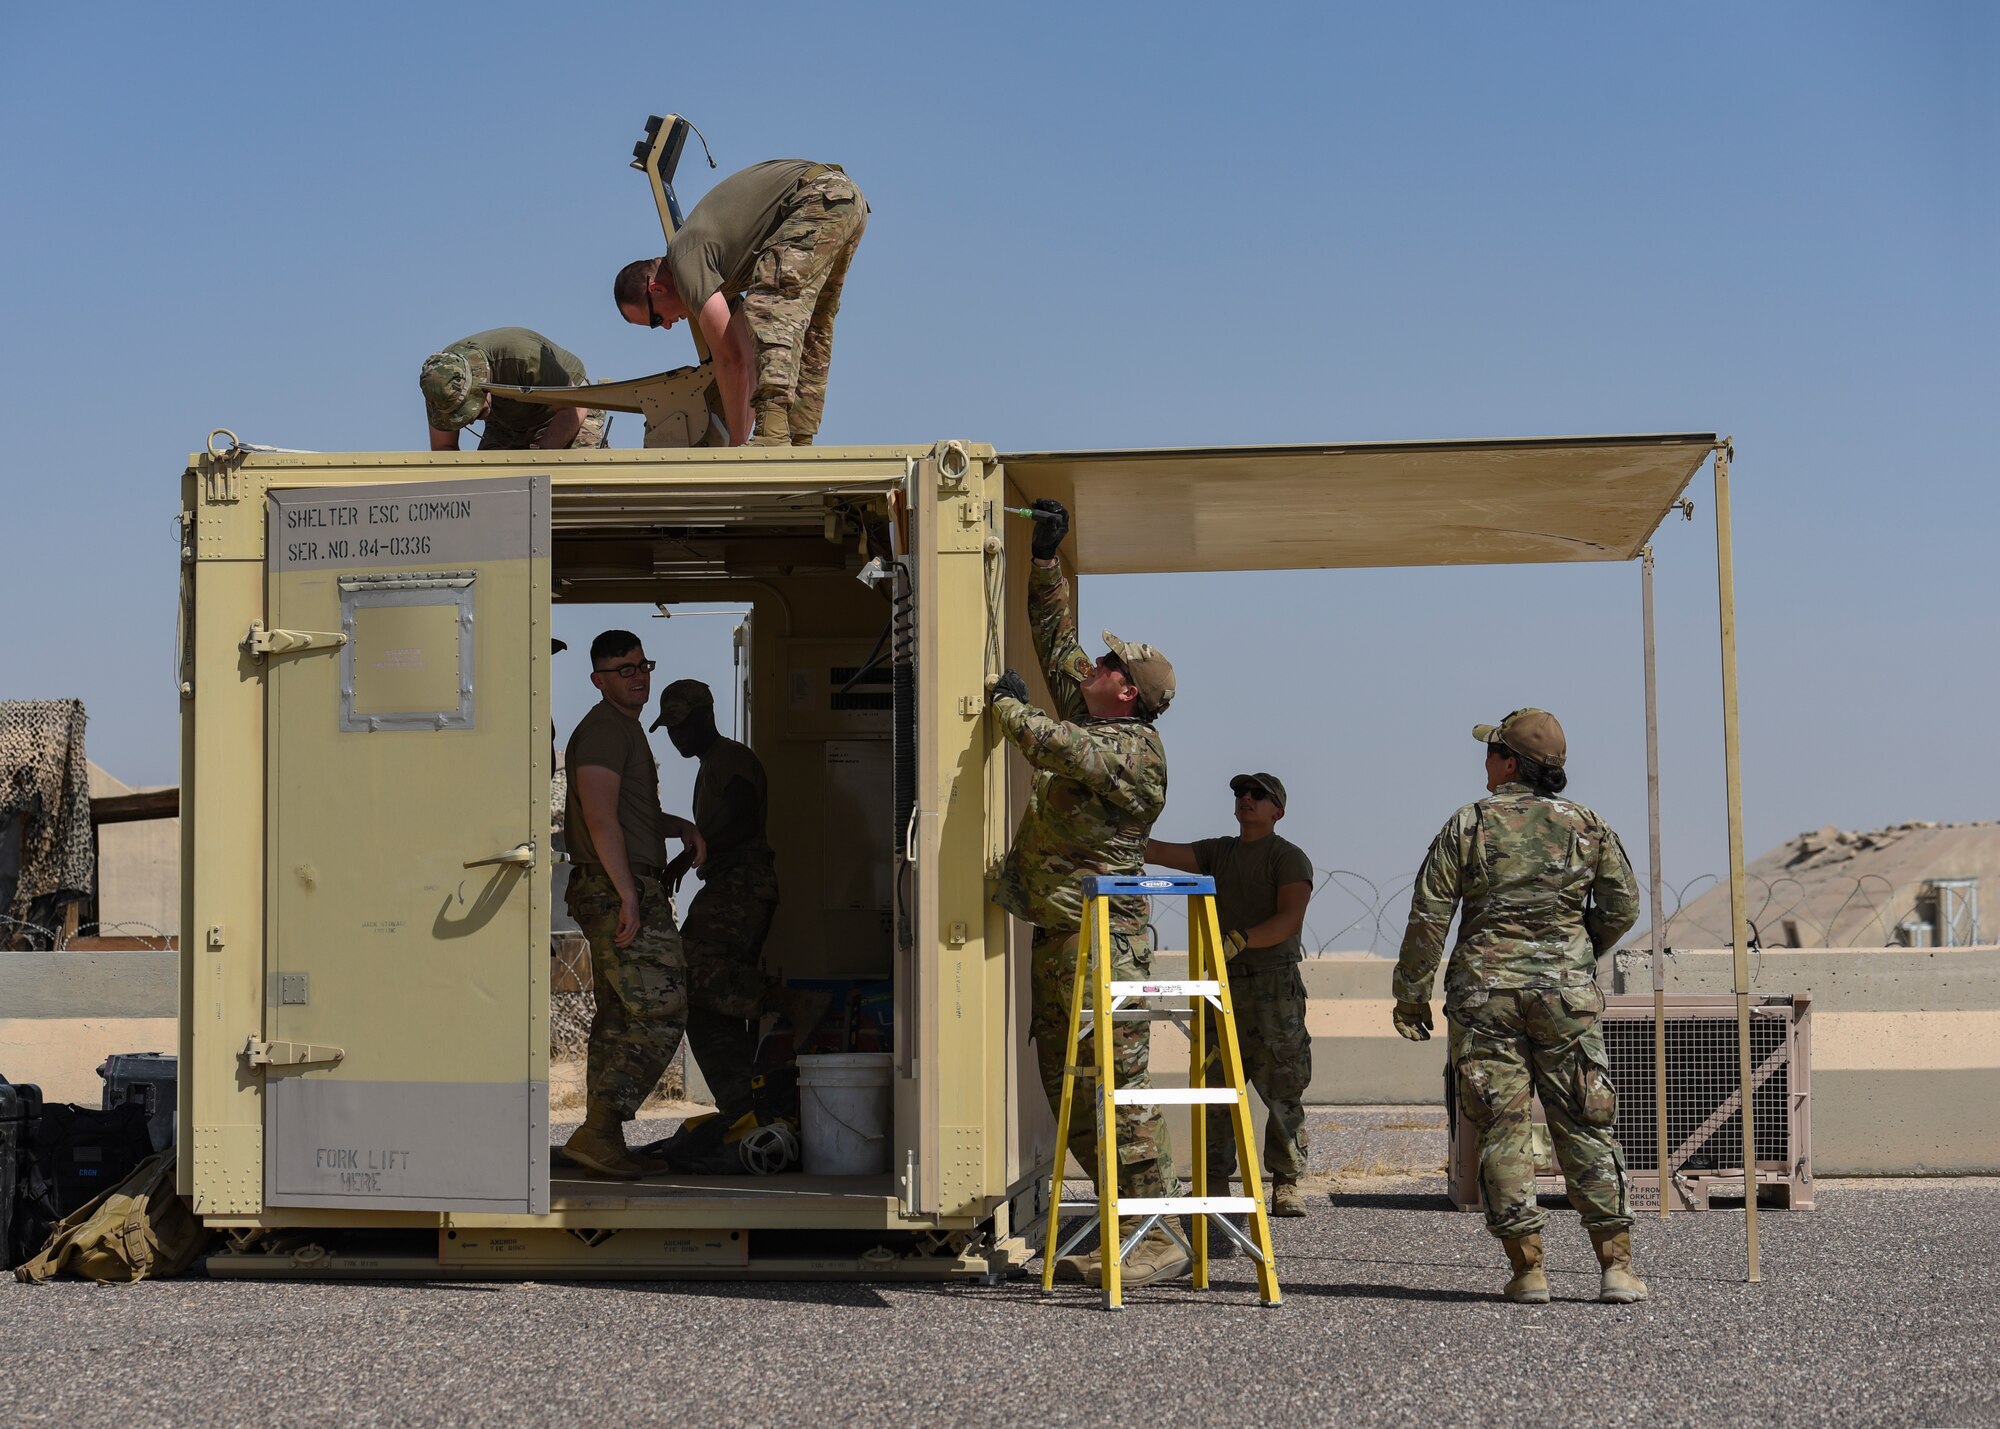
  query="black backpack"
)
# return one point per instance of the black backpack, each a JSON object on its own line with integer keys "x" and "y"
{"x": 72, "y": 1154}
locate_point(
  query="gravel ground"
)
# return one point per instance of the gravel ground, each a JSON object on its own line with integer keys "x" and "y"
{"x": 1880, "y": 1307}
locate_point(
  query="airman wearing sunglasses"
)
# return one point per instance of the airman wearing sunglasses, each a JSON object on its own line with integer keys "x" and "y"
{"x": 1262, "y": 885}
{"x": 781, "y": 234}
{"x": 1100, "y": 780}
{"x": 617, "y": 836}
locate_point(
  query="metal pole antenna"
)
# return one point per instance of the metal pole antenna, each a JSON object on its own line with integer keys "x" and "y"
{"x": 1653, "y": 861}
{"x": 1732, "y": 766}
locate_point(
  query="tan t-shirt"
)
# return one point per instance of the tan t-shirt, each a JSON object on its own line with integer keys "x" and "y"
{"x": 521, "y": 357}
{"x": 615, "y": 741}
{"x": 1247, "y": 878}
{"x": 717, "y": 246}
{"x": 731, "y": 797}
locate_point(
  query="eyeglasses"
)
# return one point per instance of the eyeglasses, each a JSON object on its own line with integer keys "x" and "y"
{"x": 652, "y": 313}
{"x": 627, "y": 672}
{"x": 1113, "y": 663}
{"x": 1254, "y": 791}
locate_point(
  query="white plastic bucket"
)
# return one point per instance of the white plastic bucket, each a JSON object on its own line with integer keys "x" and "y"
{"x": 844, "y": 1102}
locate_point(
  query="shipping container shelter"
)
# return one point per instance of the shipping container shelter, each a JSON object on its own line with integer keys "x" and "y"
{"x": 367, "y": 856}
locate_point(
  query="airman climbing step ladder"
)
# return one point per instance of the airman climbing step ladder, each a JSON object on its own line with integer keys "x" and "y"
{"x": 1206, "y": 987}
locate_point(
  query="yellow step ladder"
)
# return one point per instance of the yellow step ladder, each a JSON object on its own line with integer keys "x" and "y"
{"x": 1206, "y": 986}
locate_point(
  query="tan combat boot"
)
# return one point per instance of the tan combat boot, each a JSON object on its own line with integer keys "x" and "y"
{"x": 1087, "y": 1268}
{"x": 771, "y": 427}
{"x": 599, "y": 1144}
{"x": 1529, "y": 1286}
{"x": 1618, "y": 1285}
{"x": 1287, "y": 1199}
{"x": 1158, "y": 1257}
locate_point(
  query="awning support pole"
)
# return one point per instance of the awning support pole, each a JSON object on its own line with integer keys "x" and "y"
{"x": 1732, "y": 767}
{"x": 1655, "y": 876}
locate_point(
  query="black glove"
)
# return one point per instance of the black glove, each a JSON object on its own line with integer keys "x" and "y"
{"x": 1050, "y": 529}
{"x": 1010, "y": 684}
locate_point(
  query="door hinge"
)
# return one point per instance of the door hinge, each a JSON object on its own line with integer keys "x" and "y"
{"x": 282, "y": 642}
{"x": 289, "y": 1054}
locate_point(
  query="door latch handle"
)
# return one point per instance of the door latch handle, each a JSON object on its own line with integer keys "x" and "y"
{"x": 519, "y": 856}
{"x": 289, "y": 1054}
{"x": 282, "y": 642}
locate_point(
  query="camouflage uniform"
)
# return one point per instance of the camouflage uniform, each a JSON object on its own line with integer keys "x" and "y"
{"x": 724, "y": 936}
{"x": 642, "y": 997}
{"x": 595, "y": 430}
{"x": 1546, "y": 887}
{"x": 1270, "y": 1006}
{"x": 1098, "y": 787}
{"x": 791, "y": 301}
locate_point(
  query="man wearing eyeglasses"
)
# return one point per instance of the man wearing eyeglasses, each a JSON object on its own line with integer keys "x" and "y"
{"x": 617, "y": 836}
{"x": 1100, "y": 780}
{"x": 782, "y": 234}
{"x": 1262, "y": 885}
{"x": 455, "y": 384}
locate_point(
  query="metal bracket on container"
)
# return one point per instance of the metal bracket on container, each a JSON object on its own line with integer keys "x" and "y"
{"x": 283, "y": 642}
{"x": 289, "y": 1054}
{"x": 954, "y": 464}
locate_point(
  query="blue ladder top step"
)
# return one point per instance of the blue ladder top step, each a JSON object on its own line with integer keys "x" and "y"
{"x": 1159, "y": 885}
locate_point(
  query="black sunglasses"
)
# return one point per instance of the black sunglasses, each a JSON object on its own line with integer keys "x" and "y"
{"x": 1255, "y": 791}
{"x": 652, "y": 313}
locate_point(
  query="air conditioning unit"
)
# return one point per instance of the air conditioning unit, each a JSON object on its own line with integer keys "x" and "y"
{"x": 1704, "y": 1108}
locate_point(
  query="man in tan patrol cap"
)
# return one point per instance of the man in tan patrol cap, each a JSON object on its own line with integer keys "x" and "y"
{"x": 1262, "y": 885}
{"x": 1547, "y": 890}
{"x": 1100, "y": 780}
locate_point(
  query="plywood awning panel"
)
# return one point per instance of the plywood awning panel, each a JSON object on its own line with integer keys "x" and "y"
{"x": 1519, "y": 500}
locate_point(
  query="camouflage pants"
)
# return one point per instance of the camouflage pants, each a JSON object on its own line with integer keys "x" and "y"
{"x": 1145, "y": 1150}
{"x": 641, "y": 991}
{"x": 1270, "y": 1006}
{"x": 791, "y": 302}
{"x": 595, "y": 431}
{"x": 724, "y": 934}
{"x": 1511, "y": 1046}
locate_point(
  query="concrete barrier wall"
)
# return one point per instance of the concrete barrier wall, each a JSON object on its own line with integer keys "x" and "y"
{"x": 1906, "y": 1041}
{"x": 1906, "y": 1045}
{"x": 63, "y": 1013}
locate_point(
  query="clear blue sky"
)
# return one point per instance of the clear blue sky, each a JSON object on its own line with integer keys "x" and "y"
{"x": 1108, "y": 227}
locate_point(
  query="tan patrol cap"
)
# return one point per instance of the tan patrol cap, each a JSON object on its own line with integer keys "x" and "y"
{"x": 1532, "y": 732}
{"x": 681, "y": 699}
{"x": 1148, "y": 671}
{"x": 1269, "y": 783}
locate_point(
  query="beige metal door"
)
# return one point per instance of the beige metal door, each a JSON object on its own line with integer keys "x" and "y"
{"x": 406, "y": 1052}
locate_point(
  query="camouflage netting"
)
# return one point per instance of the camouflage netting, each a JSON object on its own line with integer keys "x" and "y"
{"x": 45, "y": 777}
